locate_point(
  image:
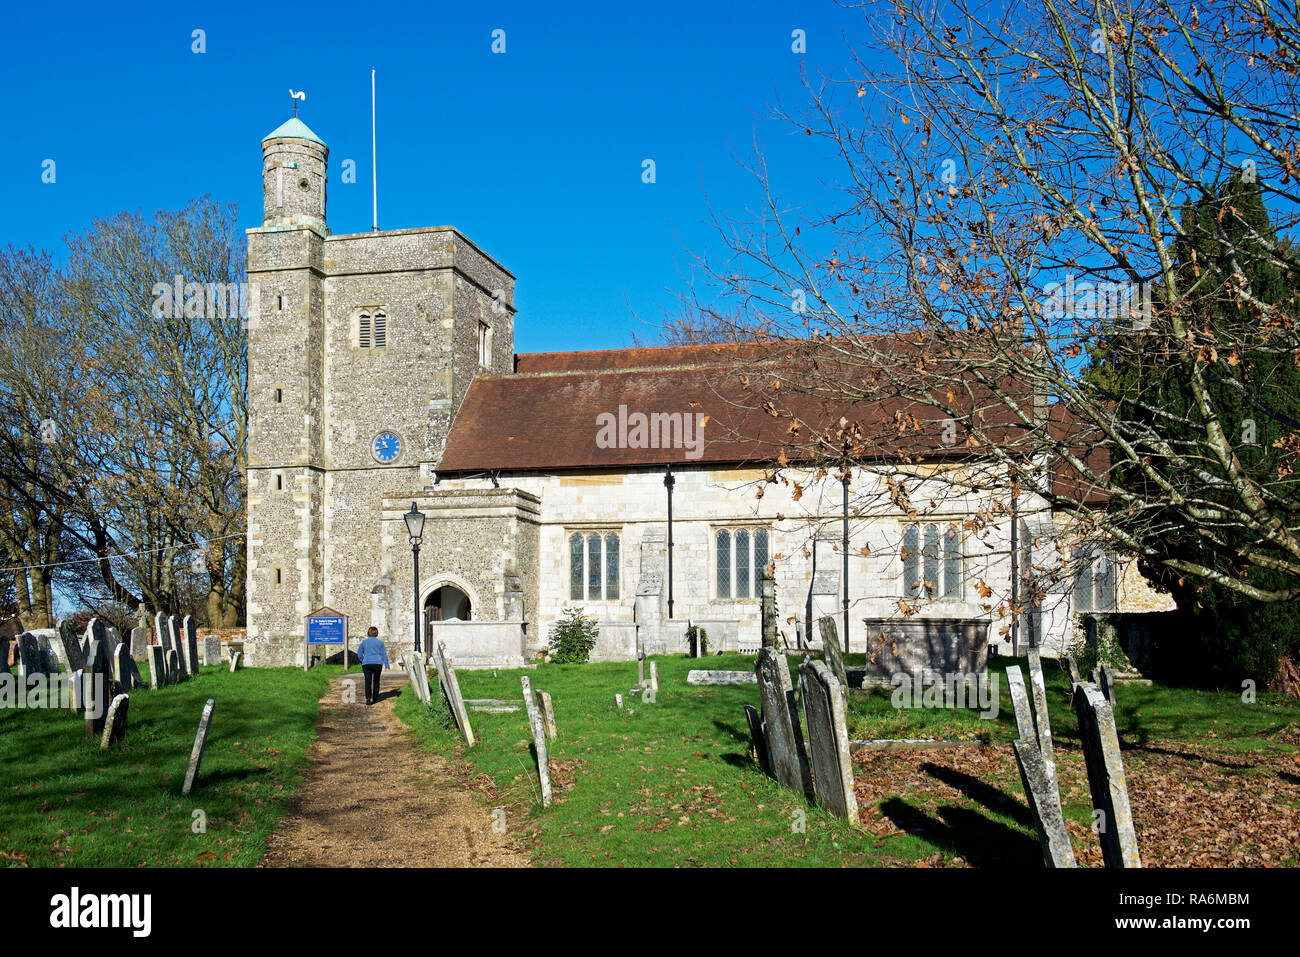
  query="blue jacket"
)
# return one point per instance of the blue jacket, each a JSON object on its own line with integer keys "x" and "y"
{"x": 372, "y": 652}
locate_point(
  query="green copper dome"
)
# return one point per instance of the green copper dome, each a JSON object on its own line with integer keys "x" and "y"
{"x": 294, "y": 128}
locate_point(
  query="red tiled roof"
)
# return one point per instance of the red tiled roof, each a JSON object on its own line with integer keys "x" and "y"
{"x": 545, "y": 416}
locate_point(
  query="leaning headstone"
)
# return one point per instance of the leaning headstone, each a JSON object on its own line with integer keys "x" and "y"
{"x": 831, "y": 650}
{"x": 1106, "y": 777}
{"x": 1042, "y": 721}
{"x": 539, "y": 739}
{"x": 548, "y": 713}
{"x": 1041, "y": 790}
{"x": 758, "y": 737}
{"x": 200, "y": 741}
{"x": 785, "y": 747}
{"x": 115, "y": 721}
{"x": 211, "y": 650}
{"x": 189, "y": 645}
{"x": 234, "y": 660}
{"x": 654, "y": 676}
{"x": 73, "y": 655}
{"x": 157, "y": 667}
{"x": 451, "y": 692}
{"x": 140, "y": 643}
{"x": 828, "y": 741}
{"x": 696, "y": 677}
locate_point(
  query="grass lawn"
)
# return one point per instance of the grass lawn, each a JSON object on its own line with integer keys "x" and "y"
{"x": 67, "y": 803}
{"x": 673, "y": 783}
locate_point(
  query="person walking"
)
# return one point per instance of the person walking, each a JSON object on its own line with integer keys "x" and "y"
{"x": 374, "y": 659}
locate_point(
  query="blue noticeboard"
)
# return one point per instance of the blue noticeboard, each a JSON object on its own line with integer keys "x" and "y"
{"x": 327, "y": 630}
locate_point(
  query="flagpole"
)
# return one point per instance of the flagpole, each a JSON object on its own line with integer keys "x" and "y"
{"x": 374, "y": 173}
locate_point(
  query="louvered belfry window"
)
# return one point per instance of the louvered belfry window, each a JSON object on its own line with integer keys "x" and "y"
{"x": 372, "y": 330}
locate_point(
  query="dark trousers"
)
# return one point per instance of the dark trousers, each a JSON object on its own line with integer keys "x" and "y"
{"x": 372, "y": 681}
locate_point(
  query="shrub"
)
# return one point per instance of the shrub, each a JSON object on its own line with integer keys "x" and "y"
{"x": 696, "y": 633}
{"x": 573, "y": 636}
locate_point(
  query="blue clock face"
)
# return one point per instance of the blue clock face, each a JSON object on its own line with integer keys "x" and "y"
{"x": 387, "y": 447}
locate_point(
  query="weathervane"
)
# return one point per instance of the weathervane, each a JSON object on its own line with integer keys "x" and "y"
{"x": 300, "y": 95}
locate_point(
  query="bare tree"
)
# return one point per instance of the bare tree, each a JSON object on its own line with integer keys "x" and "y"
{"x": 1014, "y": 186}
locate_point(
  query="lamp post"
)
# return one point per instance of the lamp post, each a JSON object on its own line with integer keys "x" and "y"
{"x": 415, "y": 528}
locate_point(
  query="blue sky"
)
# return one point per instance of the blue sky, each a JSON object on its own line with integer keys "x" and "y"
{"x": 535, "y": 154}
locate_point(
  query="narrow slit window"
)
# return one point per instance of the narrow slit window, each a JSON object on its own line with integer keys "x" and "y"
{"x": 363, "y": 331}
{"x": 724, "y": 563}
{"x": 381, "y": 330}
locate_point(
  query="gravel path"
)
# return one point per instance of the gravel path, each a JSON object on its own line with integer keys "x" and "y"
{"x": 373, "y": 798}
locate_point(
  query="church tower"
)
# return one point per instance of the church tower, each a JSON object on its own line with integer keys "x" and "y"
{"x": 286, "y": 385}
{"x": 361, "y": 347}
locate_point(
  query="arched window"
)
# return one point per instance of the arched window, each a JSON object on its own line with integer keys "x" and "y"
{"x": 372, "y": 330}
{"x": 593, "y": 566}
{"x": 931, "y": 556}
{"x": 1094, "y": 580}
{"x": 740, "y": 558}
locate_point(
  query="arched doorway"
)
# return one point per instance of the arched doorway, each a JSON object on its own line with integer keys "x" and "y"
{"x": 447, "y": 602}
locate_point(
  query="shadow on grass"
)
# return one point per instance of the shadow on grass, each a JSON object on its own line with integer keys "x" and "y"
{"x": 995, "y": 799}
{"x": 966, "y": 833}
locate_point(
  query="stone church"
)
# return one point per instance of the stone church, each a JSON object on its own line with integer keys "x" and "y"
{"x": 382, "y": 374}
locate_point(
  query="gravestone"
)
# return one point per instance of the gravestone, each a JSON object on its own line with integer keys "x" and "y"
{"x": 640, "y": 669}
{"x": 785, "y": 746}
{"x": 97, "y": 690}
{"x": 1105, "y": 682}
{"x": 451, "y": 692}
{"x": 758, "y": 737}
{"x": 211, "y": 650}
{"x": 174, "y": 673}
{"x": 654, "y": 676}
{"x": 189, "y": 645}
{"x": 1041, "y": 790}
{"x": 115, "y": 721}
{"x": 721, "y": 678}
{"x": 157, "y": 667}
{"x": 78, "y": 682}
{"x": 618, "y": 701}
{"x": 200, "y": 742}
{"x": 828, "y": 741}
{"x": 1071, "y": 670}
{"x": 160, "y": 633}
{"x": 548, "y": 713}
{"x": 140, "y": 643}
{"x": 124, "y": 670}
{"x": 831, "y": 650}
{"x": 234, "y": 660}
{"x": 1042, "y": 720}
{"x": 29, "y": 655}
{"x": 539, "y": 738}
{"x": 1106, "y": 777}
{"x": 769, "y": 610}
{"x": 178, "y": 646}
